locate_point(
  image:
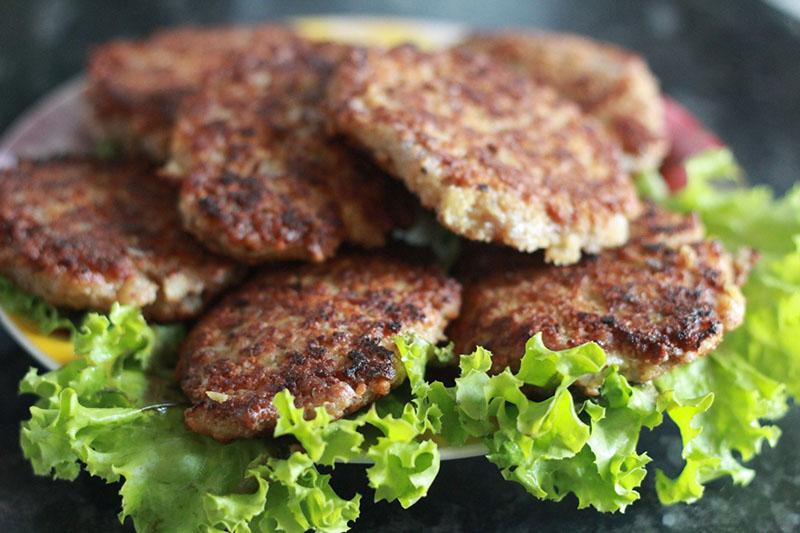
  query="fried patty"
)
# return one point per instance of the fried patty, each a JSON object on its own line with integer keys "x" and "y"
{"x": 664, "y": 299}
{"x": 324, "y": 332}
{"x": 261, "y": 180}
{"x": 610, "y": 83}
{"x": 135, "y": 86}
{"x": 84, "y": 234}
{"x": 498, "y": 156}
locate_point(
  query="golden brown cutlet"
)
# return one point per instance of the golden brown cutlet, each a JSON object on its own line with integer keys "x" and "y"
{"x": 324, "y": 332}
{"x": 665, "y": 298}
{"x": 261, "y": 179}
{"x": 135, "y": 86}
{"x": 609, "y": 83}
{"x": 84, "y": 234}
{"x": 498, "y": 156}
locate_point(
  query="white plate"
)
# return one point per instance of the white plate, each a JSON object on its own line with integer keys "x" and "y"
{"x": 57, "y": 124}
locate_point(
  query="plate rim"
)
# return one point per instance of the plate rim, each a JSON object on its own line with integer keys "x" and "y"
{"x": 62, "y": 95}
{"x": 70, "y": 92}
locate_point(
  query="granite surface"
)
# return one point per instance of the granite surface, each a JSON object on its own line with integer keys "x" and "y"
{"x": 735, "y": 63}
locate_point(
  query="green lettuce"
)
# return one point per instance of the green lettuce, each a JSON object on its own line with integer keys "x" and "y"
{"x": 41, "y": 314}
{"x": 116, "y": 412}
{"x": 651, "y": 185}
{"x": 753, "y": 217}
{"x": 553, "y": 447}
{"x": 288, "y": 495}
{"x": 561, "y": 444}
{"x": 738, "y": 216}
{"x": 428, "y": 233}
{"x": 714, "y": 430}
{"x": 758, "y": 365}
{"x": 106, "y": 413}
{"x": 404, "y": 459}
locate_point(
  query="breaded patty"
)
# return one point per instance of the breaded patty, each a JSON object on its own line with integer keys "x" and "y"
{"x": 261, "y": 180}
{"x": 324, "y": 332}
{"x": 135, "y": 87}
{"x": 84, "y": 234}
{"x": 608, "y": 82}
{"x": 499, "y": 157}
{"x": 665, "y": 298}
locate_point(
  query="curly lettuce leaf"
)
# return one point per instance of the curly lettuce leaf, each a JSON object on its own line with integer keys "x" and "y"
{"x": 323, "y": 440}
{"x": 102, "y": 339}
{"x": 738, "y": 216}
{"x": 103, "y": 412}
{"x": 714, "y": 431}
{"x": 41, "y": 314}
{"x": 234, "y": 512}
{"x": 283, "y": 495}
{"x": 560, "y": 445}
{"x": 402, "y": 470}
{"x": 112, "y": 413}
{"x": 116, "y": 412}
{"x": 404, "y": 462}
{"x": 758, "y": 364}
{"x": 302, "y": 499}
{"x": 770, "y": 337}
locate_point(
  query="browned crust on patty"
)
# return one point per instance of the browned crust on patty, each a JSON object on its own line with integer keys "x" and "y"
{"x": 657, "y": 225}
{"x": 665, "y": 298}
{"x": 84, "y": 234}
{"x": 324, "y": 332}
{"x": 135, "y": 86}
{"x": 499, "y": 157}
{"x": 608, "y": 82}
{"x": 261, "y": 180}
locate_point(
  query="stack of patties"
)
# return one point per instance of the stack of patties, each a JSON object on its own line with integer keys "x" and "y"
{"x": 249, "y": 178}
{"x": 83, "y": 234}
{"x": 298, "y": 158}
{"x": 529, "y": 141}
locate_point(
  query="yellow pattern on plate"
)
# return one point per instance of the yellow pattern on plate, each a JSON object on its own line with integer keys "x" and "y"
{"x": 378, "y": 31}
{"x": 58, "y": 347}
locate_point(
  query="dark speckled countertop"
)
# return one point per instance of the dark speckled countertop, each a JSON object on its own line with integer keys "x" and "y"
{"x": 735, "y": 63}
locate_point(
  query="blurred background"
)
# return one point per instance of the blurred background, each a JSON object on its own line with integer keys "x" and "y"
{"x": 734, "y": 63}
